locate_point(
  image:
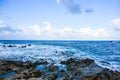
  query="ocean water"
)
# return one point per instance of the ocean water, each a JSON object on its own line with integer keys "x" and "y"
{"x": 105, "y": 53}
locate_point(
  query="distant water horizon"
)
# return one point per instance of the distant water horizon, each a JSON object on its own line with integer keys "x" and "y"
{"x": 106, "y": 53}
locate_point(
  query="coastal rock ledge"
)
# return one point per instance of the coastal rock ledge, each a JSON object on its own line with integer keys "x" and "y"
{"x": 72, "y": 69}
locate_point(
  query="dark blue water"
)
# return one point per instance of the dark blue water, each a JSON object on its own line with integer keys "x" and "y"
{"x": 105, "y": 53}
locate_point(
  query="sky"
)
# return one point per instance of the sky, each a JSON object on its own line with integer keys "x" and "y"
{"x": 59, "y": 19}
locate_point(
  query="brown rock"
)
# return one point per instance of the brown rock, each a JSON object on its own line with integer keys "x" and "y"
{"x": 35, "y": 79}
{"x": 52, "y": 68}
{"x": 87, "y": 62}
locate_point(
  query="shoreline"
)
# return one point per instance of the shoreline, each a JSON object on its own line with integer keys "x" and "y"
{"x": 85, "y": 69}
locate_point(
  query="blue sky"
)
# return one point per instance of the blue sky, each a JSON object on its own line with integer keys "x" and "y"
{"x": 60, "y": 19}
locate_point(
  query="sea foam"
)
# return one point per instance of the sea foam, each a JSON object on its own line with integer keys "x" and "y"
{"x": 106, "y": 54}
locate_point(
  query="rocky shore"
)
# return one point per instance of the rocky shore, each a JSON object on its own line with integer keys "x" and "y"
{"x": 72, "y": 69}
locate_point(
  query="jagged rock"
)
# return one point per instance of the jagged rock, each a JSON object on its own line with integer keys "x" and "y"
{"x": 52, "y": 68}
{"x": 87, "y": 62}
{"x": 29, "y": 73}
{"x": 35, "y": 79}
{"x": 29, "y": 44}
{"x": 11, "y": 46}
{"x": 87, "y": 69}
{"x": 75, "y": 69}
{"x": 52, "y": 77}
{"x": 35, "y": 73}
{"x": 24, "y": 46}
{"x": 7, "y": 66}
{"x": 107, "y": 74}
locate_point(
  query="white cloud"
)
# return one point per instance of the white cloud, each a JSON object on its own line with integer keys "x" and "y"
{"x": 58, "y": 1}
{"x": 50, "y": 32}
{"x": 94, "y": 33}
{"x": 83, "y": 33}
{"x": 67, "y": 29}
{"x": 30, "y": 30}
{"x": 36, "y": 29}
{"x": 1, "y": 23}
{"x": 115, "y": 23}
{"x": 47, "y": 23}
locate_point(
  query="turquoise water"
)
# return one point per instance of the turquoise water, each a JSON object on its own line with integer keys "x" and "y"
{"x": 105, "y": 53}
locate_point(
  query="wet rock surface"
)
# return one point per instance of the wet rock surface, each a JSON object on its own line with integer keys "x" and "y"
{"x": 72, "y": 69}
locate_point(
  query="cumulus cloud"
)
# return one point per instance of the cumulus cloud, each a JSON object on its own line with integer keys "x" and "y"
{"x": 115, "y": 23}
{"x": 49, "y": 32}
{"x": 94, "y": 33}
{"x": 30, "y": 30}
{"x": 71, "y": 6}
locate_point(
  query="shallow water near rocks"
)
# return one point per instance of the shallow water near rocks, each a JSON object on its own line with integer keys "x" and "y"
{"x": 8, "y": 74}
{"x": 62, "y": 67}
{"x": 42, "y": 68}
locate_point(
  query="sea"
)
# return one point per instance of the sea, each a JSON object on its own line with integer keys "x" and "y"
{"x": 104, "y": 53}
